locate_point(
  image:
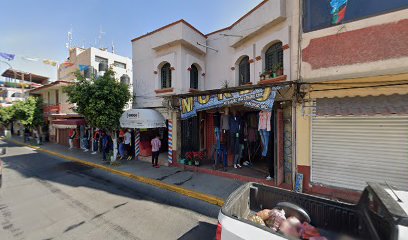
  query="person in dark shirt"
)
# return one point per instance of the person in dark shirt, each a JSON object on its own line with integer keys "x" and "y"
{"x": 105, "y": 145}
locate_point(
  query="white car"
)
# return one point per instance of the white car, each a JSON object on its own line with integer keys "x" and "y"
{"x": 381, "y": 213}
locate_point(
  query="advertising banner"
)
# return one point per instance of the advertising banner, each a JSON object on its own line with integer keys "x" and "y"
{"x": 260, "y": 98}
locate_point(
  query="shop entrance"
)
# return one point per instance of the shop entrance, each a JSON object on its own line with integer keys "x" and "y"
{"x": 262, "y": 150}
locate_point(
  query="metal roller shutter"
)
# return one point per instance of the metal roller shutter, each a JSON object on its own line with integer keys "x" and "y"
{"x": 350, "y": 151}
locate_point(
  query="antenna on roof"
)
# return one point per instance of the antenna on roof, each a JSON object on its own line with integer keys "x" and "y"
{"x": 206, "y": 46}
{"x": 69, "y": 39}
{"x": 100, "y": 36}
{"x": 113, "y": 48}
{"x": 231, "y": 35}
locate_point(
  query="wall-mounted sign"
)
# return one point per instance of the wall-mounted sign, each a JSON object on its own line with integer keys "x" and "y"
{"x": 142, "y": 118}
{"x": 260, "y": 98}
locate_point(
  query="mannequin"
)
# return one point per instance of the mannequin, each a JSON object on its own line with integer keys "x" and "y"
{"x": 235, "y": 127}
{"x": 225, "y": 120}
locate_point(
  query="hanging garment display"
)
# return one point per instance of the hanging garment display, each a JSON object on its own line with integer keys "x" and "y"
{"x": 264, "y": 128}
{"x": 218, "y": 137}
{"x": 235, "y": 127}
{"x": 264, "y": 121}
{"x": 217, "y": 120}
{"x": 265, "y": 141}
{"x": 225, "y": 122}
{"x": 234, "y": 124}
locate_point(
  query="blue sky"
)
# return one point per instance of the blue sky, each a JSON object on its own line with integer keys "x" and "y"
{"x": 39, "y": 28}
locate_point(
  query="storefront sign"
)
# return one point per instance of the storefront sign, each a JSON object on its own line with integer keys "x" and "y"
{"x": 261, "y": 98}
{"x": 142, "y": 118}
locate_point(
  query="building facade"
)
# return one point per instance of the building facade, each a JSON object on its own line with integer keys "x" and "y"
{"x": 352, "y": 118}
{"x": 59, "y": 114}
{"x": 177, "y": 64}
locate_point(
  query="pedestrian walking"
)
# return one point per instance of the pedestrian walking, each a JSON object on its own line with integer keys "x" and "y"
{"x": 156, "y": 144}
{"x": 127, "y": 140}
{"x": 86, "y": 138}
{"x": 26, "y": 135}
{"x": 122, "y": 150}
{"x": 36, "y": 136}
{"x": 95, "y": 141}
{"x": 105, "y": 145}
{"x": 71, "y": 137}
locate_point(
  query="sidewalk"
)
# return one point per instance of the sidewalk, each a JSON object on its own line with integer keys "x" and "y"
{"x": 181, "y": 180}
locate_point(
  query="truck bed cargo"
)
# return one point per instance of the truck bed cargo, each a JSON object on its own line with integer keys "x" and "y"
{"x": 372, "y": 218}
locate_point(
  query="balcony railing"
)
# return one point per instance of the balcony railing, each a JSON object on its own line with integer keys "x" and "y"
{"x": 50, "y": 109}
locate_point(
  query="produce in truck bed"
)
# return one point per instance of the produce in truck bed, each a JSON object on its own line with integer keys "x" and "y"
{"x": 276, "y": 218}
{"x": 265, "y": 214}
{"x": 256, "y": 219}
{"x": 288, "y": 229}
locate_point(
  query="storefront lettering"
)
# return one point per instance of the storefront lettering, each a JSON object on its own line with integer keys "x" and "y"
{"x": 266, "y": 94}
{"x": 132, "y": 115}
{"x": 221, "y": 96}
{"x": 260, "y": 98}
{"x": 187, "y": 104}
{"x": 203, "y": 99}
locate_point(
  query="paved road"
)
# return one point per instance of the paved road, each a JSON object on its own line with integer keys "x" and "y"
{"x": 44, "y": 197}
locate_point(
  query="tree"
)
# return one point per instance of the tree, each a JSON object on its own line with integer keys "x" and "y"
{"x": 100, "y": 100}
{"x": 29, "y": 112}
{"x": 7, "y": 116}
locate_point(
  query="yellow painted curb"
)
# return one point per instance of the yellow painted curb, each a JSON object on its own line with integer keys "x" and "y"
{"x": 193, "y": 194}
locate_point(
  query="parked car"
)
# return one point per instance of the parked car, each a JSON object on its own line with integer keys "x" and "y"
{"x": 378, "y": 215}
{"x": 2, "y": 152}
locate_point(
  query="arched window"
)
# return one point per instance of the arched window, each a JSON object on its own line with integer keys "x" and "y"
{"x": 166, "y": 76}
{"x": 274, "y": 57}
{"x": 244, "y": 73}
{"x": 194, "y": 77}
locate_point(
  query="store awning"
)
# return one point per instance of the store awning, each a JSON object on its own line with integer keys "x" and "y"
{"x": 142, "y": 118}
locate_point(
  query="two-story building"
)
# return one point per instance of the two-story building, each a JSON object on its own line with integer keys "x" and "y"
{"x": 58, "y": 112}
{"x": 352, "y": 124}
{"x": 213, "y": 89}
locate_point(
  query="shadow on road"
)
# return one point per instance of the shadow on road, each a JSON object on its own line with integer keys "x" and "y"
{"x": 46, "y": 168}
{"x": 203, "y": 231}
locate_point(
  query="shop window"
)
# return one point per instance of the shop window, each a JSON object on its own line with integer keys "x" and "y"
{"x": 119, "y": 64}
{"x": 244, "y": 72}
{"x": 101, "y": 59}
{"x": 194, "y": 77}
{"x": 166, "y": 76}
{"x": 274, "y": 57}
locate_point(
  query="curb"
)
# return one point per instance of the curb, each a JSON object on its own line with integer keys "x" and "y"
{"x": 153, "y": 182}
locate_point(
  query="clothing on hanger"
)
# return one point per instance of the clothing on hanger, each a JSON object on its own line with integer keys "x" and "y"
{"x": 234, "y": 124}
{"x": 217, "y": 117}
{"x": 251, "y": 134}
{"x": 264, "y": 121}
{"x": 225, "y": 122}
{"x": 253, "y": 121}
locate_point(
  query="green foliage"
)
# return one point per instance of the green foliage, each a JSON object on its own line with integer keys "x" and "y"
{"x": 29, "y": 112}
{"x": 100, "y": 100}
{"x": 7, "y": 115}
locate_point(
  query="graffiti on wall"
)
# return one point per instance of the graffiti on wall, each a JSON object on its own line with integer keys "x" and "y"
{"x": 338, "y": 10}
